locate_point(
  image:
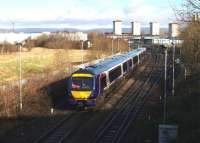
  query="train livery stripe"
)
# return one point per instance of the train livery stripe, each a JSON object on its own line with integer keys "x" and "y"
{"x": 82, "y": 75}
{"x": 81, "y": 94}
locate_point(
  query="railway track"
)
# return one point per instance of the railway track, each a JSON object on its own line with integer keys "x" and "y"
{"x": 59, "y": 132}
{"x": 116, "y": 122}
{"x": 116, "y": 125}
{"x": 126, "y": 109}
{"x": 55, "y": 133}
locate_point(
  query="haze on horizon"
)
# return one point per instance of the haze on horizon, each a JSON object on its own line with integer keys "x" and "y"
{"x": 85, "y": 14}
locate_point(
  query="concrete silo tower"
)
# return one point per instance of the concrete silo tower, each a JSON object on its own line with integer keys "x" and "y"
{"x": 117, "y": 30}
{"x": 173, "y": 30}
{"x": 196, "y": 17}
{"x": 136, "y": 29}
{"x": 154, "y": 28}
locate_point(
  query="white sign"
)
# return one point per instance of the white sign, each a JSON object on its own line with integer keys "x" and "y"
{"x": 167, "y": 133}
{"x": 177, "y": 61}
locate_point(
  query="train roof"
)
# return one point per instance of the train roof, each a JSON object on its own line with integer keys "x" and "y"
{"x": 114, "y": 61}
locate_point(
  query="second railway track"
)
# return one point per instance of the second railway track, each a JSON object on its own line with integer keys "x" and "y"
{"x": 116, "y": 125}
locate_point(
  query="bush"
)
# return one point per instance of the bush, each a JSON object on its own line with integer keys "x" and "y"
{"x": 52, "y": 41}
{"x": 8, "y": 48}
{"x": 103, "y": 45}
{"x": 185, "y": 111}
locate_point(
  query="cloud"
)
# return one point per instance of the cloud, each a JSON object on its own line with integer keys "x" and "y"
{"x": 145, "y": 13}
{"x": 89, "y": 12}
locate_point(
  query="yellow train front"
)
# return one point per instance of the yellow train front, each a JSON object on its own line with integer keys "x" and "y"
{"x": 82, "y": 88}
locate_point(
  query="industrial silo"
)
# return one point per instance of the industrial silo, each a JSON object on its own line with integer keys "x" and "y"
{"x": 173, "y": 30}
{"x": 117, "y": 30}
{"x": 154, "y": 28}
{"x": 135, "y": 28}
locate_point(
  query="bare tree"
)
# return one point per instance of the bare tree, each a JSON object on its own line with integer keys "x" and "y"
{"x": 191, "y": 34}
{"x": 104, "y": 46}
{"x": 195, "y": 4}
{"x": 187, "y": 11}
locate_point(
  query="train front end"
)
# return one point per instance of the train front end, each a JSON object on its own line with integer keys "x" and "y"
{"x": 82, "y": 89}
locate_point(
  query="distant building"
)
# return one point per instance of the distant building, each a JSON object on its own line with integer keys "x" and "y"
{"x": 135, "y": 28}
{"x": 117, "y": 30}
{"x": 12, "y": 38}
{"x": 75, "y": 36}
{"x": 174, "y": 30}
{"x": 196, "y": 16}
{"x": 154, "y": 28}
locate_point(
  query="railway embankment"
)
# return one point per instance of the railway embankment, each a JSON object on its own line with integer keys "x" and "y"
{"x": 184, "y": 110}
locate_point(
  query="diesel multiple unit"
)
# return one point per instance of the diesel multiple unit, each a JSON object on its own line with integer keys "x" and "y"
{"x": 85, "y": 85}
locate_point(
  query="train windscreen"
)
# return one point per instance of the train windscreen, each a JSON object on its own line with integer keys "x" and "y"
{"x": 82, "y": 83}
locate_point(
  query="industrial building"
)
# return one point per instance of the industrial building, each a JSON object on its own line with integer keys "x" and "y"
{"x": 154, "y": 28}
{"x": 117, "y": 30}
{"x": 75, "y": 36}
{"x": 173, "y": 30}
{"x": 135, "y": 37}
{"x": 136, "y": 29}
{"x": 196, "y": 16}
{"x": 12, "y": 38}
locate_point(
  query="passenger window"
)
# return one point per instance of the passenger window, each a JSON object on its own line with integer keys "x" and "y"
{"x": 130, "y": 63}
{"x": 135, "y": 60}
{"x": 125, "y": 68}
{"x": 103, "y": 82}
{"x": 115, "y": 73}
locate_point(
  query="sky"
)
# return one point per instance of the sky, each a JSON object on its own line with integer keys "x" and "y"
{"x": 84, "y": 14}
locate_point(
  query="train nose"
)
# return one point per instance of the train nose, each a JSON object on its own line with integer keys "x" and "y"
{"x": 81, "y": 94}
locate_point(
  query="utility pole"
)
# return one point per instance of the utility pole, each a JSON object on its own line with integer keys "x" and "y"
{"x": 165, "y": 89}
{"x": 112, "y": 46}
{"x": 173, "y": 83}
{"x": 82, "y": 51}
{"x": 20, "y": 77}
{"x": 185, "y": 74}
{"x": 118, "y": 44}
{"x": 13, "y": 26}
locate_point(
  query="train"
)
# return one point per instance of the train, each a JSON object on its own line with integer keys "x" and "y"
{"x": 87, "y": 84}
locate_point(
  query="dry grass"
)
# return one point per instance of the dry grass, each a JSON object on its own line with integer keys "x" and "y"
{"x": 36, "y": 61}
{"x": 43, "y": 67}
{"x": 40, "y": 67}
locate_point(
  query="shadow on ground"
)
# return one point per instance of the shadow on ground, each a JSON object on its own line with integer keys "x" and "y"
{"x": 57, "y": 91}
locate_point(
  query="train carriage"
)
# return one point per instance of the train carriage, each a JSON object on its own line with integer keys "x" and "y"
{"x": 85, "y": 85}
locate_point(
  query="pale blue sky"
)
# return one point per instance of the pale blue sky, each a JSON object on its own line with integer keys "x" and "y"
{"x": 84, "y": 14}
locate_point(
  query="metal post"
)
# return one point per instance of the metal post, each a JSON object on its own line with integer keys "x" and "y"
{"x": 185, "y": 74}
{"x": 165, "y": 89}
{"x": 20, "y": 77}
{"x": 82, "y": 51}
{"x": 13, "y": 27}
{"x": 128, "y": 45}
{"x": 112, "y": 46}
{"x": 140, "y": 43}
{"x": 118, "y": 44}
{"x": 173, "y": 70}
